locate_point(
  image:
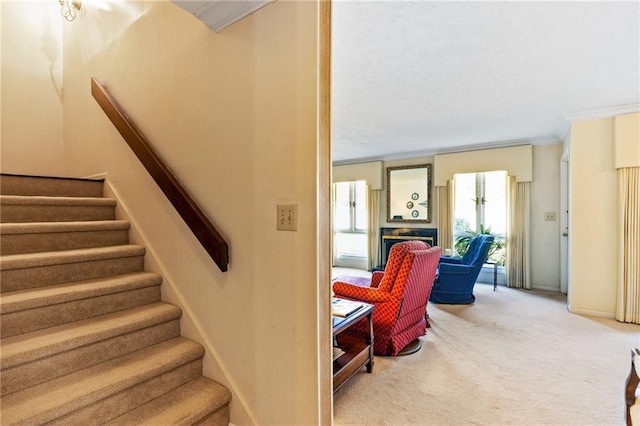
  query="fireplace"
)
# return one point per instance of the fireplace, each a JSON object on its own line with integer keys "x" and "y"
{"x": 391, "y": 236}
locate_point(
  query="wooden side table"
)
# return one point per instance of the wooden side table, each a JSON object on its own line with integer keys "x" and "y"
{"x": 632, "y": 383}
{"x": 354, "y": 353}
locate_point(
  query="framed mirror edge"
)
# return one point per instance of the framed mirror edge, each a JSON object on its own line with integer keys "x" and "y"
{"x": 429, "y": 170}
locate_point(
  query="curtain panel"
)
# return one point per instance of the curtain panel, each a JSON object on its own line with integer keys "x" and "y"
{"x": 334, "y": 252}
{"x": 445, "y": 198}
{"x": 373, "y": 229}
{"x": 518, "y": 256}
{"x": 628, "y": 283}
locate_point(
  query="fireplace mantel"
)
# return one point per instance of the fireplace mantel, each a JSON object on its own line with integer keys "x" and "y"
{"x": 391, "y": 236}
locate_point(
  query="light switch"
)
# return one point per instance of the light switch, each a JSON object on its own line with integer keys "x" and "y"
{"x": 287, "y": 217}
{"x": 550, "y": 216}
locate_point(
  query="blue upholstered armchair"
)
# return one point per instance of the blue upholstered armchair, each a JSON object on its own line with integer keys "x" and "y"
{"x": 457, "y": 276}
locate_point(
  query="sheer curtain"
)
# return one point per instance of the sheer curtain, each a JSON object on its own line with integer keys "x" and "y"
{"x": 628, "y": 298}
{"x": 518, "y": 263}
{"x": 373, "y": 228}
{"x": 445, "y": 199}
{"x": 334, "y": 252}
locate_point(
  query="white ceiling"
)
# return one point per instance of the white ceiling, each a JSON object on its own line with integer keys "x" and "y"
{"x": 422, "y": 77}
{"x": 219, "y": 14}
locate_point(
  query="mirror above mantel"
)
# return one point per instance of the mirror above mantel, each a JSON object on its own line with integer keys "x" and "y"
{"x": 409, "y": 194}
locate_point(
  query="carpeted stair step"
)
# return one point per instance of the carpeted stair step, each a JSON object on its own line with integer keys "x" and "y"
{"x": 19, "y": 209}
{"x": 16, "y": 238}
{"x": 106, "y": 390}
{"x": 34, "y": 309}
{"x": 49, "y": 186}
{"x": 23, "y": 271}
{"x": 200, "y": 401}
{"x": 30, "y": 359}
{"x": 84, "y": 337}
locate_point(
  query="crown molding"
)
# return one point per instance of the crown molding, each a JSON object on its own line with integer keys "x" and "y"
{"x": 563, "y": 132}
{"x": 598, "y": 114}
{"x": 219, "y": 14}
{"x": 543, "y": 140}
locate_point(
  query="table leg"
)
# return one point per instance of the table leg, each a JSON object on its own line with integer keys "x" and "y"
{"x": 632, "y": 385}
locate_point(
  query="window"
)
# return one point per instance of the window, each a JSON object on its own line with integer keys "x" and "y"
{"x": 481, "y": 206}
{"x": 350, "y": 224}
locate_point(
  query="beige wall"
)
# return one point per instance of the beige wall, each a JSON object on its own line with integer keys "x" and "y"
{"x": 626, "y": 130}
{"x": 31, "y": 117}
{"x": 592, "y": 218}
{"x": 235, "y": 117}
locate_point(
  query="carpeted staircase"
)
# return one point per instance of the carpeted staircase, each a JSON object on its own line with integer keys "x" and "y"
{"x": 85, "y": 338}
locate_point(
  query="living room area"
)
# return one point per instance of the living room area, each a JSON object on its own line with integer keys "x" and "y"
{"x": 459, "y": 90}
{"x": 259, "y": 119}
{"x": 513, "y": 357}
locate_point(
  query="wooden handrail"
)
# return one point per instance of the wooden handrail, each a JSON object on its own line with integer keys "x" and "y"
{"x": 201, "y": 227}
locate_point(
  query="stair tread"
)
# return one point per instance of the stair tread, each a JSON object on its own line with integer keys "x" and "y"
{"x": 58, "y": 397}
{"x": 16, "y": 184}
{"x": 30, "y": 260}
{"x": 56, "y": 227}
{"x": 45, "y": 296}
{"x": 111, "y": 362}
{"x": 184, "y": 405}
{"x": 39, "y": 200}
{"x": 27, "y": 347}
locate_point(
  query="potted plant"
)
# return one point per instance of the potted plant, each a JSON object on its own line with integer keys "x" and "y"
{"x": 496, "y": 253}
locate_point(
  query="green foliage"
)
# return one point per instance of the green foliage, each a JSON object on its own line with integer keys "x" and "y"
{"x": 496, "y": 253}
{"x": 461, "y": 224}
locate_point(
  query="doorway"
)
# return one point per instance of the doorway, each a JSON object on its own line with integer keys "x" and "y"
{"x": 564, "y": 225}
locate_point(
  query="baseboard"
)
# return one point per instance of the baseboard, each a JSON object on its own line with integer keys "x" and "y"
{"x": 555, "y": 289}
{"x": 592, "y": 313}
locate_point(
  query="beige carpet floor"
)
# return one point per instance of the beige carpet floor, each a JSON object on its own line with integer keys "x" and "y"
{"x": 515, "y": 357}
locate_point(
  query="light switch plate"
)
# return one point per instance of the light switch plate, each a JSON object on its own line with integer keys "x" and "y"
{"x": 551, "y": 216}
{"x": 287, "y": 217}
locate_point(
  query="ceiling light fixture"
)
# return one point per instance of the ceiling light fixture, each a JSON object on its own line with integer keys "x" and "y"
{"x": 69, "y": 9}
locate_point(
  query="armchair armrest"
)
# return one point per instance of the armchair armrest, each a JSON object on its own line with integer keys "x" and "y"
{"x": 363, "y": 294}
{"x": 449, "y": 259}
{"x": 376, "y": 278}
{"x": 447, "y": 268}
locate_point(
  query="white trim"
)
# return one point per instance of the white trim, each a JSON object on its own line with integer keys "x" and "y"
{"x": 564, "y": 131}
{"x": 602, "y": 113}
{"x": 103, "y": 175}
{"x": 554, "y": 289}
{"x": 219, "y": 14}
{"x": 542, "y": 140}
{"x": 592, "y": 313}
{"x": 356, "y": 262}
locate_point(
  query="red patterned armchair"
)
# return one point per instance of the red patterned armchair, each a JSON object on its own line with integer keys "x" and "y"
{"x": 400, "y": 295}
